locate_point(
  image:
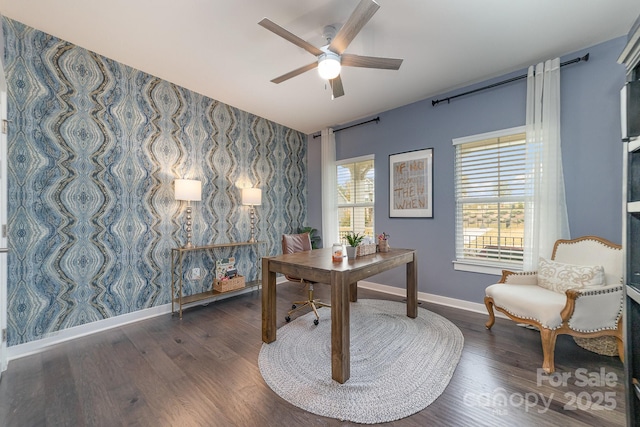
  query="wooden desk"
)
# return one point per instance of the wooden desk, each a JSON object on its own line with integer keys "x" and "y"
{"x": 343, "y": 276}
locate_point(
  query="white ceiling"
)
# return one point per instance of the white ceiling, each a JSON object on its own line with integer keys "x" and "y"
{"x": 217, "y": 48}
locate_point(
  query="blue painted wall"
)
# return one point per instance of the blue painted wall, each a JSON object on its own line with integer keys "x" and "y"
{"x": 592, "y": 161}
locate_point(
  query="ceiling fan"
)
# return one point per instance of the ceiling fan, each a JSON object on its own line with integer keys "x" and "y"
{"x": 331, "y": 57}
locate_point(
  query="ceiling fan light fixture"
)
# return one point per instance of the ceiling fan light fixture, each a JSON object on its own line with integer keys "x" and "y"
{"x": 329, "y": 57}
{"x": 329, "y": 65}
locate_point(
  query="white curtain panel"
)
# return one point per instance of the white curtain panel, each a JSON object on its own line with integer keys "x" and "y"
{"x": 546, "y": 207}
{"x": 329, "y": 184}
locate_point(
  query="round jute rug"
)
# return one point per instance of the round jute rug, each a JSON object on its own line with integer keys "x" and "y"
{"x": 399, "y": 365}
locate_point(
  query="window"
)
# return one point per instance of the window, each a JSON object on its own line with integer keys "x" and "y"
{"x": 356, "y": 192}
{"x": 490, "y": 200}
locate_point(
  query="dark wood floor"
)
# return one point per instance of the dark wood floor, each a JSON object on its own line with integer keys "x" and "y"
{"x": 203, "y": 371}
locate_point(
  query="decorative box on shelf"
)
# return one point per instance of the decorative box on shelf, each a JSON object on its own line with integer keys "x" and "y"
{"x": 228, "y": 284}
{"x": 367, "y": 249}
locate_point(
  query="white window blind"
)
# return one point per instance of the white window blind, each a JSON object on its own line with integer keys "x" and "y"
{"x": 356, "y": 193}
{"x": 490, "y": 196}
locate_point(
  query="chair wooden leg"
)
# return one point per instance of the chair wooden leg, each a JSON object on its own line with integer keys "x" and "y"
{"x": 492, "y": 317}
{"x": 548, "y": 338}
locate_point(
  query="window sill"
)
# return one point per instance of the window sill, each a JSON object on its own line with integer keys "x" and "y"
{"x": 484, "y": 268}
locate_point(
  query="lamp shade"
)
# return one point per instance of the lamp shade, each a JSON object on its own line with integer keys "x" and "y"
{"x": 188, "y": 189}
{"x": 251, "y": 196}
{"x": 329, "y": 65}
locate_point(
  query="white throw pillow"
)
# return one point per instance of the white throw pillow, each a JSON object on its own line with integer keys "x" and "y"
{"x": 559, "y": 277}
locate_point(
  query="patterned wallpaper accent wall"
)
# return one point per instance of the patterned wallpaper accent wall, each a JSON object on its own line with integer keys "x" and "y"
{"x": 94, "y": 147}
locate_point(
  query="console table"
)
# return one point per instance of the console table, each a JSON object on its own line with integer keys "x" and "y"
{"x": 317, "y": 266}
{"x": 177, "y": 276}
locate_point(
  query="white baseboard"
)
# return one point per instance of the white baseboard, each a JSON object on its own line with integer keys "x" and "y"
{"x": 54, "y": 338}
{"x": 432, "y": 298}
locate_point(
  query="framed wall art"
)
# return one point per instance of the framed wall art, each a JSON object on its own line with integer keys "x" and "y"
{"x": 411, "y": 184}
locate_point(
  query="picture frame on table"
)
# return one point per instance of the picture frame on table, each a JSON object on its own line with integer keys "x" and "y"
{"x": 411, "y": 184}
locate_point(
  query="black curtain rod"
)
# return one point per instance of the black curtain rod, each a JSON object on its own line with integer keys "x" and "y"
{"x": 377, "y": 119}
{"x": 437, "y": 101}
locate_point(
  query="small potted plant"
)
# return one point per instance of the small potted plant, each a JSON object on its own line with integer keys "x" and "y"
{"x": 315, "y": 239}
{"x": 354, "y": 240}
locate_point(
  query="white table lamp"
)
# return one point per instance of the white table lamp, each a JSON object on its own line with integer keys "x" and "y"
{"x": 252, "y": 197}
{"x": 189, "y": 190}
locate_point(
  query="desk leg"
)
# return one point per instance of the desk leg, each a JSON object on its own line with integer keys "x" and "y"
{"x": 340, "y": 351}
{"x": 412, "y": 287}
{"x": 268, "y": 303}
{"x": 353, "y": 292}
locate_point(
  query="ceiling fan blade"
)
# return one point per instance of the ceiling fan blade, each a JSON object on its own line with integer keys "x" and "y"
{"x": 360, "y": 16}
{"x": 370, "y": 62}
{"x": 285, "y": 34}
{"x": 336, "y": 87}
{"x": 295, "y": 72}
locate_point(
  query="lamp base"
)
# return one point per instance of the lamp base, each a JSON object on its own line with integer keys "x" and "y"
{"x": 252, "y": 239}
{"x": 188, "y": 245}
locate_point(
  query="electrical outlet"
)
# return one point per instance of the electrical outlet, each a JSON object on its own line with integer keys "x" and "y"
{"x": 195, "y": 274}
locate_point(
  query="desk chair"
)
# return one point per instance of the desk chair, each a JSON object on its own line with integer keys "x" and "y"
{"x": 292, "y": 243}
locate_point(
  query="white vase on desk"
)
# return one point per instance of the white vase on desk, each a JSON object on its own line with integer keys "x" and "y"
{"x": 351, "y": 252}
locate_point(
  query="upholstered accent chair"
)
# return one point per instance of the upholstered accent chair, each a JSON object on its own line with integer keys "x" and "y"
{"x": 292, "y": 243}
{"x": 578, "y": 292}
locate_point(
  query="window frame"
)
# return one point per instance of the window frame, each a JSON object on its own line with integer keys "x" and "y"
{"x": 471, "y": 264}
{"x": 352, "y": 160}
